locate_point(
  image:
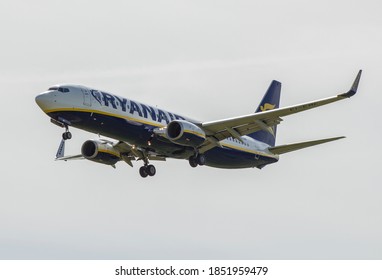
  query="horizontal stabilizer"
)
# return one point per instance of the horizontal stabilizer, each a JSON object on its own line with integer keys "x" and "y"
{"x": 278, "y": 150}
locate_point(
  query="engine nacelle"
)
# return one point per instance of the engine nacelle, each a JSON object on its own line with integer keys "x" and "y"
{"x": 100, "y": 151}
{"x": 185, "y": 133}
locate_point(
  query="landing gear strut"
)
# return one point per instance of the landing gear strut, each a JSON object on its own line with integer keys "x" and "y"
{"x": 196, "y": 160}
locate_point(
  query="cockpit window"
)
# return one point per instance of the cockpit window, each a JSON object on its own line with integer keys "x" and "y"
{"x": 61, "y": 89}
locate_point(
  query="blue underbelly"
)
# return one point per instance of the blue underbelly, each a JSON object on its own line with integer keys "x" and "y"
{"x": 141, "y": 134}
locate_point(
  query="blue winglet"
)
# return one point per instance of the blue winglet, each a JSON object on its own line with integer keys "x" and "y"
{"x": 354, "y": 87}
{"x": 61, "y": 150}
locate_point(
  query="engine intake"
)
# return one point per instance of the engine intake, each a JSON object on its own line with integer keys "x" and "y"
{"x": 101, "y": 152}
{"x": 185, "y": 133}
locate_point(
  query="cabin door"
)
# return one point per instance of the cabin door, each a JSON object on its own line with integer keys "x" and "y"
{"x": 87, "y": 97}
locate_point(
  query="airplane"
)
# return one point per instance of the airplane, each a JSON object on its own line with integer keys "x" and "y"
{"x": 147, "y": 133}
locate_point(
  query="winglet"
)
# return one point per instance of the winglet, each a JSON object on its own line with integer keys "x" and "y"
{"x": 354, "y": 87}
{"x": 61, "y": 150}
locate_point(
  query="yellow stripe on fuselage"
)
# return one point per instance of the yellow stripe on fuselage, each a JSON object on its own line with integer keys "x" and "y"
{"x": 106, "y": 114}
{"x": 246, "y": 150}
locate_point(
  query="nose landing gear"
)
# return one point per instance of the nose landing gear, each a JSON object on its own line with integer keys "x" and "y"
{"x": 61, "y": 122}
{"x": 66, "y": 135}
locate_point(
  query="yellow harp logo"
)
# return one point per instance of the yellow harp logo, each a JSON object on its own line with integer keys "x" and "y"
{"x": 267, "y": 106}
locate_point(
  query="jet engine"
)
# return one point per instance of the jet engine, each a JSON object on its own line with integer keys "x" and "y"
{"x": 185, "y": 133}
{"x": 100, "y": 151}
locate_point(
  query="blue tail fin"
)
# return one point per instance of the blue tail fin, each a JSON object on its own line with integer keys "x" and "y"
{"x": 271, "y": 100}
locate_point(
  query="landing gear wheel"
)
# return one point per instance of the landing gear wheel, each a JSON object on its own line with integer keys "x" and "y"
{"x": 201, "y": 159}
{"x": 192, "y": 161}
{"x": 66, "y": 135}
{"x": 143, "y": 172}
{"x": 150, "y": 170}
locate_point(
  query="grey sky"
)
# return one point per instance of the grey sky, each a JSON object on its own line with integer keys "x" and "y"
{"x": 207, "y": 60}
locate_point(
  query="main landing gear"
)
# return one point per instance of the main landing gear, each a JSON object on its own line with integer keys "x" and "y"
{"x": 196, "y": 160}
{"x": 147, "y": 170}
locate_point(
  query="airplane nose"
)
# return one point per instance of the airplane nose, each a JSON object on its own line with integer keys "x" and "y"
{"x": 40, "y": 99}
{"x": 44, "y": 101}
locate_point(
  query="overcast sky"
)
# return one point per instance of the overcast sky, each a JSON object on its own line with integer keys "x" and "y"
{"x": 207, "y": 60}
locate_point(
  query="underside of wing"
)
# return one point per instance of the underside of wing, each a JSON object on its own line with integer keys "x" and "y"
{"x": 258, "y": 121}
{"x": 70, "y": 157}
{"x": 130, "y": 152}
{"x": 119, "y": 150}
{"x": 244, "y": 125}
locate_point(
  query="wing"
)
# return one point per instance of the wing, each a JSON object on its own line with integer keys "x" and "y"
{"x": 244, "y": 125}
{"x": 125, "y": 151}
